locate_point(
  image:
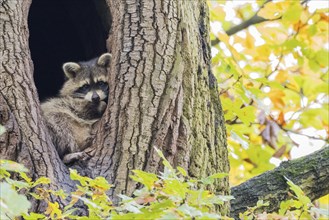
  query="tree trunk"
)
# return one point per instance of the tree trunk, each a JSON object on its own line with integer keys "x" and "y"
{"x": 26, "y": 140}
{"x": 162, "y": 93}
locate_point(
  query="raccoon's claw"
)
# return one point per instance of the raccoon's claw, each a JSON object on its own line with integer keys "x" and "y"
{"x": 69, "y": 158}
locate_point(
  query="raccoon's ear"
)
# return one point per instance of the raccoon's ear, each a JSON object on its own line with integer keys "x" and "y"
{"x": 70, "y": 69}
{"x": 104, "y": 60}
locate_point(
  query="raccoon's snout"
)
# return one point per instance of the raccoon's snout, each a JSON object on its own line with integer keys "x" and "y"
{"x": 95, "y": 97}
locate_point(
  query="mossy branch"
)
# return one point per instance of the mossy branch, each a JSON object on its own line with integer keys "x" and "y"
{"x": 310, "y": 172}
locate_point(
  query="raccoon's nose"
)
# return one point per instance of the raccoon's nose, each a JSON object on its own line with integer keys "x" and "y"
{"x": 95, "y": 97}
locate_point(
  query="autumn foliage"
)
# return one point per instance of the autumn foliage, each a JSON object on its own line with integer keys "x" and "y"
{"x": 273, "y": 79}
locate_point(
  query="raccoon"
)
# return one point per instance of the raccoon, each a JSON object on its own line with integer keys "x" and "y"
{"x": 81, "y": 102}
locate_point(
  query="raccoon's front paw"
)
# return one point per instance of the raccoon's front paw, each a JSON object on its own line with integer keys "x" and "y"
{"x": 101, "y": 107}
{"x": 70, "y": 158}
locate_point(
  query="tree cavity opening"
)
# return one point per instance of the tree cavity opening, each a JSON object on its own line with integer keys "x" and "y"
{"x": 63, "y": 31}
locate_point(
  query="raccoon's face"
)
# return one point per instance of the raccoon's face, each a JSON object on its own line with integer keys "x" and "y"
{"x": 93, "y": 91}
{"x": 87, "y": 80}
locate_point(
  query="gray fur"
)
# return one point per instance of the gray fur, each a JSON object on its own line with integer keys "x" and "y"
{"x": 70, "y": 116}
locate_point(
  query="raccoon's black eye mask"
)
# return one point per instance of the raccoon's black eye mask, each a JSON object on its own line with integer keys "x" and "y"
{"x": 83, "y": 89}
{"x": 102, "y": 85}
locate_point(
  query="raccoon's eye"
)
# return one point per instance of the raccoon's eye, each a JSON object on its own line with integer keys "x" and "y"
{"x": 102, "y": 84}
{"x": 84, "y": 89}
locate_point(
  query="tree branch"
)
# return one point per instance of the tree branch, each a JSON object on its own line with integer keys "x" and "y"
{"x": 251, "y": 21}
{"x": 311, "y": 173}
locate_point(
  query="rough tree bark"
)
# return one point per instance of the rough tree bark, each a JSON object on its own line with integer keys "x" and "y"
{"x": 162, "y": 94}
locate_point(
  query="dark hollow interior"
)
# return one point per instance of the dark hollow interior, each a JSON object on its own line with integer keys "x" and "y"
{"x": 64, "y": 31}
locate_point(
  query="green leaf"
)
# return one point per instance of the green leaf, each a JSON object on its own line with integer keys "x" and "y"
{"x": 247, "y": 114}
{"x": 100, "y": 182}
{"x": 322, "y": 57}
{"x": 84, "y": 181}
{"x": 314, "y": 65}
{"x": 176, "y": 189}
{"x": 41, "y": 180}
{"x": 261, "y": 203}
{"x": 182, "y": 171}
{"x": 18, "y": 184}
{"x": 312, "y": 118}
{"x": 12, "y": 166}
{"x": 292, "y": 15}
{"x": 59, "y": 193}
{"x": 162, "y": 205}
{"x": 12, "y": 203}
{"x": 189, "y": 211}
{"x": 34, "y": 216}
{"x": 218, "y": 175}
{"x": 312, "y": 30}
{"x": 132, "y": 208}
{"x": 299, "y": 192}
{"x": 170, "y": 215}
{"x": 147, "y": 179}
{"x": 219, "y": 199}
{"x": 165, "y": 161}
{"x": 285, "y": 206}
{"x": 291, "y": 44}
{"x": 36, "y": 196}
{"x": 210, "y": 179}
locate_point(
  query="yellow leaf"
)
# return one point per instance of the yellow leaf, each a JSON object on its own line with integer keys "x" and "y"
{"x": 316, "y": 18}
{"x": 276, "y": 35}
{"x": 324, "y": 202}
{"x": 292, "y": 84}
{"x": 263, "y": 52}
{"x": 222, "y": 36}
{"x": 255, "y": 138}
{"x": 273, "y": 10}
{"x": 276, "y": 98}
{"x": 305, "y": 16}
{"x": 293, "y": 13}
{"x": 281, "y": 120}
{"x": 217, "y": 13}
{"x": 282, "y": 76}
{"x": 324, "y": 17}
{"x": 53, "y": 209}
{"x": 323, "y": 26}
{"x": 250, "y": 41}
